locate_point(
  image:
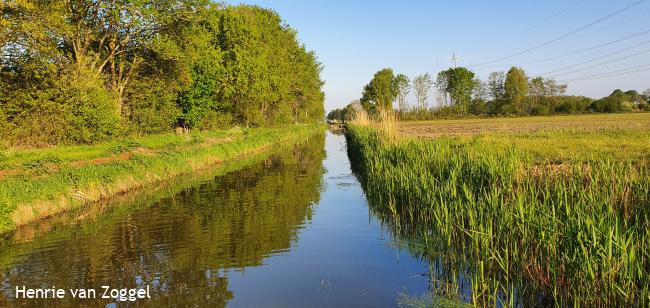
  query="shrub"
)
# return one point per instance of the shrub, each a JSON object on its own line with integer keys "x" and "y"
{"x": 151, "y": 107}
{"x": 216, "y": 120}
{"x": 644, "y": 106}
{"x": 541, "y": 110}
{"x": 70, "y": 106}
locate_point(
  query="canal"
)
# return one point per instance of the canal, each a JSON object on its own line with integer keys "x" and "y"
{"x": 292, "y": 228}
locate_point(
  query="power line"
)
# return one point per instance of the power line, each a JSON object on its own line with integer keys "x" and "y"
{"x": 610, "y": 75}
{"x": 588, "y": 48}
{"x": 597, "y": 21}
{"x": 624, "y": 71}
{"x": 594, "y": 59}
{"x": 553, "y": 16}
{"x": 603, "y": 63}
{"x": 573, "y": 52}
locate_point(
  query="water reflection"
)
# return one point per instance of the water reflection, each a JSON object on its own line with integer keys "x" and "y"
{"x": 288, "y": 230}
{"x": 183, "y": 245}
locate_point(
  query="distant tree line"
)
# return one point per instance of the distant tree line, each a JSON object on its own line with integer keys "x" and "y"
{"x": 461, "y": 94}
{"x": 87, "y": 71}
{"x": 346, "y": 113}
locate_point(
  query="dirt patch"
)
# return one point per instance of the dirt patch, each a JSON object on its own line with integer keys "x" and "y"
{"x": 102, "y": 160}
{"x": 9, "y": 172}
{"x": 215, "y": 141}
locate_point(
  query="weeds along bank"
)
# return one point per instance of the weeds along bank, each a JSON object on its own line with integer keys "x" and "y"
{"x": 520, "y": 227}
{"x": 38, "y": 183}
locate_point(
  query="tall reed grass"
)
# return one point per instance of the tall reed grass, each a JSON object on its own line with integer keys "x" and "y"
{"x": 520, "y": 231}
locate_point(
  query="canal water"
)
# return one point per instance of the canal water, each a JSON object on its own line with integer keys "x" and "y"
{"x": 289, "y": 229}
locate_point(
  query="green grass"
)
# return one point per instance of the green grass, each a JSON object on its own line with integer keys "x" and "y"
{"x": 556, "y": 215}
{"x": 569, "y": 145}
{"x": 37, "y": 183}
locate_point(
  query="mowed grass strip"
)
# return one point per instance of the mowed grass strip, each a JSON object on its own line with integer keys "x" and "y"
{"x": 37, "y": 183}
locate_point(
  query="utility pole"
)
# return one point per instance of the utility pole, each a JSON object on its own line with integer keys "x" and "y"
{"x": 453, "y": 58}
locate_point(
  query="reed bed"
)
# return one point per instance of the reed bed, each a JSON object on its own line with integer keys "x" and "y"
{"x": 516, "y": 229}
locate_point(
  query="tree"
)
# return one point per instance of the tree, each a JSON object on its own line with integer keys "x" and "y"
{"x": 646, "y": 93}
{"x": 381, "y": 91}
{"x": 108, "y": 67}
{"x": 458, "y": 83}
{"x": 495, "y": 84}
{"x": 516, "y": 89}
{"x": 403, "y": 86}
{"x": 543, "y": 95}
{"x": 421, "y": 87}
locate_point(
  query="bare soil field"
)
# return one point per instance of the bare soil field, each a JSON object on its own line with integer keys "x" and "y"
{"x": 599, "y": 122}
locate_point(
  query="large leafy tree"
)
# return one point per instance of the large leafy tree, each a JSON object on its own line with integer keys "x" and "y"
{"x": 381, "y": 91}
{"x": 458, "y": 83}
{"x": 516, "y": 89}
{"x": 107, "y": 67}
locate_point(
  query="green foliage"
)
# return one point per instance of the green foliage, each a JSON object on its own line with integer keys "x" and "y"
{"x": 458, "y": 83}
{"x": 87, "y": 72}
{"x": 573, "y": 104}
{"x": 339, "y": 115}
{"x": 73, "y": 107}
{"x": 382, "y": 90}
{"x": 516, "y": 89}
{"x": 151, "y": 106}
{"x": 619, "y": 101}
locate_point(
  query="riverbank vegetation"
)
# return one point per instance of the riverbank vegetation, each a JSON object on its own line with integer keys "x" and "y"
{"x": 87, "y": 72}
{"x": 37, "y": 183}
{"x": 509, "y": 221}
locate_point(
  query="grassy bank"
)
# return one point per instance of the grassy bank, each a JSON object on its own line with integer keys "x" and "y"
{"x": 519, "y": 223}
{"x": 37, "y": 183}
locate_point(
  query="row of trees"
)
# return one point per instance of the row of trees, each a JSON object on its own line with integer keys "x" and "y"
{"x": 85, "y": 71}
{"x": 461, "y": 93}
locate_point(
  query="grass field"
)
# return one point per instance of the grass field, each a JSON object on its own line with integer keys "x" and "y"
{"x": 37, "y": 183}
{"x": 553, "y": 211}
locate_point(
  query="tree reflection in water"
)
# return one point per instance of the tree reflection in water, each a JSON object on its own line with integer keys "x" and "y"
{"x": 181, "y": 240}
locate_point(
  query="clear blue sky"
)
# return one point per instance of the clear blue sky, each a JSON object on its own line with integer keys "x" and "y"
{"x": 354, "y": 39}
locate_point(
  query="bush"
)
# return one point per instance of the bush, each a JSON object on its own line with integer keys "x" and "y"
{"x": 216, "y": 120}
{"x": 151, "y": 107}
{"x": 93, "y": 114}
{"x": 644, "y": 106}
{"x": 573, "y": 104}
{"x": 541, "y": 110}
{"x": 67, "y": 107}
{"x": 608, "y": 104}
{"x": 478, "y": 107}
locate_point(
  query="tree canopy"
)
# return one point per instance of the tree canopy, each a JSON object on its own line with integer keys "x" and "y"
{"x": 381, "y": 91}
{"x": 458, "y": 84}
{"x": 88, "y": 71}
{"x": 516, "y": 89}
